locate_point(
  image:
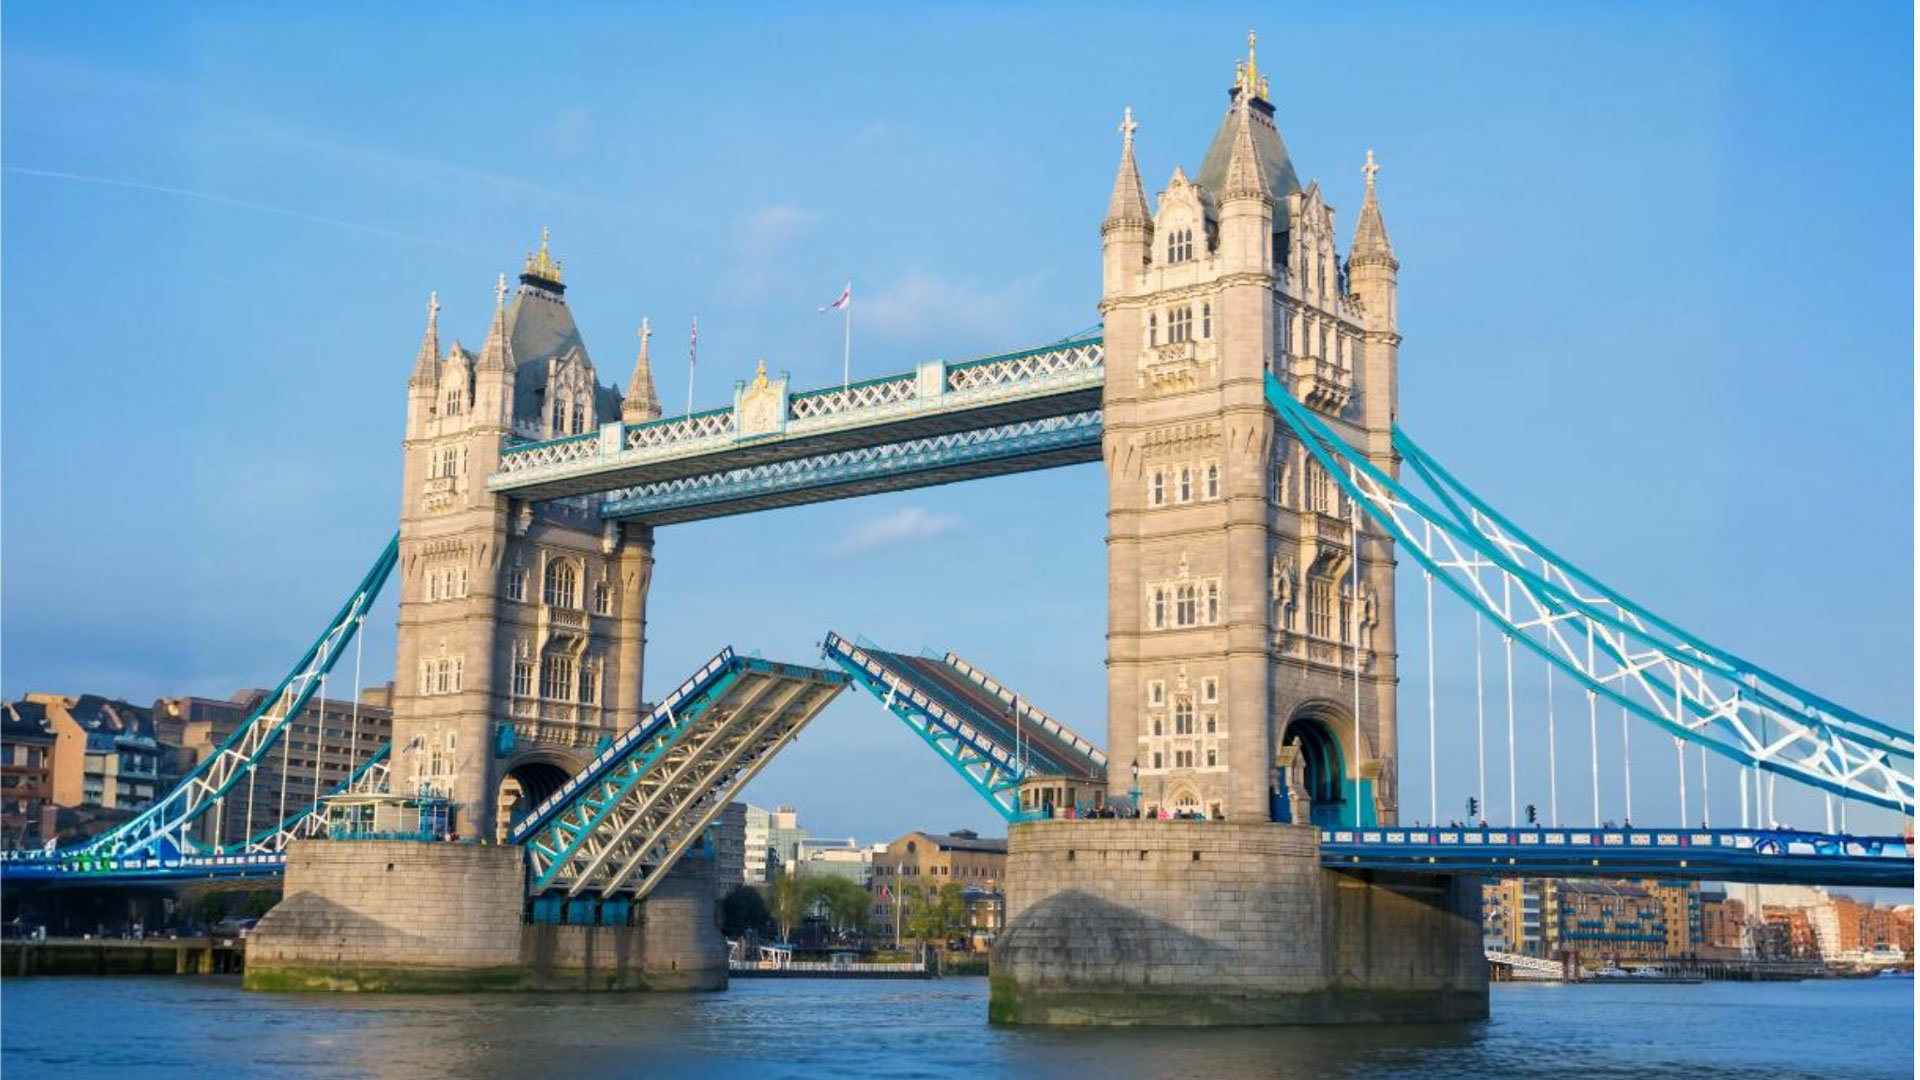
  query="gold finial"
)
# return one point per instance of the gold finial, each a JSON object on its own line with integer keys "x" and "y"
{"x": 760, "y": 375}
{"x": 543, "y": 265}
{"x": 1128, "y": 127}
{"x": 1251, "y": 84}
{"x": 1370, "y": 169}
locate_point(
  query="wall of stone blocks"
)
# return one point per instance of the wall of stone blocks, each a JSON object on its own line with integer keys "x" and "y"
{"x": 353, "y": 905}
{"x": 400, "y": 915}
{"x": 1202, "y": 922}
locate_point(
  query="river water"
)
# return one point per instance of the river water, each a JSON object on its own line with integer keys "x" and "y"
{"x": 208, "y": 1029}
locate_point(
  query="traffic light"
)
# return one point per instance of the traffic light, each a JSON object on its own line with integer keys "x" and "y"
{"x": 1473, "y": 809}
{"x": 1533, "y": 816}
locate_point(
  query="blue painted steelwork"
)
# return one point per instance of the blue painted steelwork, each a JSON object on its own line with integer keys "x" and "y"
{"x": 1614, "y": 651}
{"x": 1057, "y": 440}
{"x": 959, "y": 731}
{"x": 262, "y": 856}
{"x": 623, "y": 821}
{"x": 677, "y": 708}
{"x": 1764, "y": 856}
{"x": 934, "y": 399}
{"x": 163, "y": 831}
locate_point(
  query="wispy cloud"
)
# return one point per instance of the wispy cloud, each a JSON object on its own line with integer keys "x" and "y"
{"x": 239, "y": 204}
{"x": 927, "y": 304}
{"x": 904, "y": 526}
{"x": 763, "y": 239}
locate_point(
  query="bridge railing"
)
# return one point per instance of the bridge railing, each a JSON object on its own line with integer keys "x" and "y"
{"x": 933, "y": 387}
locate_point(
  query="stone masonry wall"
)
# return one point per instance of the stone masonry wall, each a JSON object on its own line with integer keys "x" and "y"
{"x": 1200, "y": 922}
{"x": 402, "y": 915}
{"x": 355, "y": 913}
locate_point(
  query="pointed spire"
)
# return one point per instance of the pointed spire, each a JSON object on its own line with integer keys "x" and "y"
{"x": 1129, "y": 203}
{"x": 426, "y": 367}
{"x": 1370, "y": 231}
{"x": 641, "y": 403}
{"x": 1247, "y": 79}
{"x": 1244, "y": 179}
{"x": 497, "y": 353}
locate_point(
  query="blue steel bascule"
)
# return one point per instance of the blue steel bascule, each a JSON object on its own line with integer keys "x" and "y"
{"x": 644, "y": 800}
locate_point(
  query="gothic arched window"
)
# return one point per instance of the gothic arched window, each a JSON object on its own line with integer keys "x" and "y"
{"x": 563, "y": 585}
{"x": 1183, "y": 716}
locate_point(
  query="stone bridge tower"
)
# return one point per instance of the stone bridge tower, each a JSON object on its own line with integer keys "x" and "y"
{"x": 522, "y": 626}
{"x": 1251, "y": 659}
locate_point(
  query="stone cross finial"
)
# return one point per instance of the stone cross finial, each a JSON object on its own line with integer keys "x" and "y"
{"x": 500, "y": 292}
{"x": 646, "y": 331}
{"x": 1128, "y": 127}
{"x": 1370, "y": 169}
{"x": 433, "y": 309}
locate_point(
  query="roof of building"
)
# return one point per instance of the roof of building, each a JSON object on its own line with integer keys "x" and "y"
{"x": 25, "y": 722}
{"x": 541, "y": 328}
{"x": 967, "y": 840}
{"x": 1276, "y": 165}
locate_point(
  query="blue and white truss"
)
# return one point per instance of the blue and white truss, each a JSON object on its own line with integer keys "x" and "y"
{"x": 991, "y": 763}
{"x": 167, "y": 825}
{"x": 891, "y": 466}
{"x": 620, "y": 824}
{"x": 1617, "y": 649}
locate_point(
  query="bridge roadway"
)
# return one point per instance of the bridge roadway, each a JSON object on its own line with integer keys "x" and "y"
{"x": 939, "y": 423}
{"x": 1757, "y": 856}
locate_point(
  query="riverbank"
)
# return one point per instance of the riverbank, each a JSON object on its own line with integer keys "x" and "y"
{"x": 114, "y": 956}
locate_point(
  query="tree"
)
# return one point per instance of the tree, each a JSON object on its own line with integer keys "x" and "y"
{"x": 789, "y": 907}
{"x": 844, "y": 904}
{"x": 744, "y": 909}
{"x": 936, "y": 914}
{"x": 259, "y": 903}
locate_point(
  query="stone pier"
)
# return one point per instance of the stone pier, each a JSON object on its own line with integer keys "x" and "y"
{"x": 412, "y": 916}
{"x": 1204, "y": 922}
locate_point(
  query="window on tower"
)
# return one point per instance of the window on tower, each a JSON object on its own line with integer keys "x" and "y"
{"x": 1179, "y": 245}
{"x": 1180, "y": 324}
{"x": 1153, "y": 328}
{"x": 1183, "y": 716}
{"x": 1206, "y": 321}
{"x": 563, "y": 585}
{"x": 556, "y": 678}
{"x": 1157, "y": 488}
{"x": 1213, "y": 479}
{"x": 602, "y": 598}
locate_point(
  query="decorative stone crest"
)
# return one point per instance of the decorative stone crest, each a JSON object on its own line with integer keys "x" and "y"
{"x": 761, "y": 404}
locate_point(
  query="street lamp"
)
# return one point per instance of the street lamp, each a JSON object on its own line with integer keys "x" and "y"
{"x": 1135, "y": 789}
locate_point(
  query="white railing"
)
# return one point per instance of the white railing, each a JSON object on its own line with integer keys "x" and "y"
{"x": 934, "y": 387}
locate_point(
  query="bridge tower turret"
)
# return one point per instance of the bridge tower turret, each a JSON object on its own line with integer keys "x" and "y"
{"x": 522, "y": 625}
{"x": 1239, "y": 622}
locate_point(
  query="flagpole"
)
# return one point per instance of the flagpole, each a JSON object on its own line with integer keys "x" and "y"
{"x": 693, "y": 354}
{"x": 846, "y": 355}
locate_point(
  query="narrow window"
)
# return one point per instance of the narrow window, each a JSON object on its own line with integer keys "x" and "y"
{"x": 517, "y": 584}
{"x": 1213, "y": 602}
{"x": 602, "y": 598}
{"x": 1186, "y": 484}
{"x": 1185, "y": 606}
{"x": 1206, "y": 321}
{"x": 1153, "y": 328}
{"x": 589, "y": 684}
{"x": 1213, "y": 479}
{"x": 1157, "y": 490}
{"x": 1159, "y": 607}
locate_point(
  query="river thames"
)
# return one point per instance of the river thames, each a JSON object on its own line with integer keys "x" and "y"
{"x": 209, "y": 1029}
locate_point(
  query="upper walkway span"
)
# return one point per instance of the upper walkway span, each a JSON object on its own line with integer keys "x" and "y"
{"x": 1012, "y": 412}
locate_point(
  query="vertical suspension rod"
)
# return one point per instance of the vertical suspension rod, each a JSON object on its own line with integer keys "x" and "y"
{"x": 1553, "y": 757}
{"x": 1433, "y": 743}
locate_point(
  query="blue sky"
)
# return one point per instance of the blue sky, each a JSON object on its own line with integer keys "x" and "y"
{"x": 1656, "y": 287}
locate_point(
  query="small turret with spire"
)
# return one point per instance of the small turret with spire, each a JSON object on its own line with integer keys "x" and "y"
{"x": 426, "y": 366}
{"x": 1128, "y": 205}
{"x": 641, "y": 403}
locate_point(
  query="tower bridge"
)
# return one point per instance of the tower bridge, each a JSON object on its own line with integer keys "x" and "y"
{"x": 1241, "y": 394}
